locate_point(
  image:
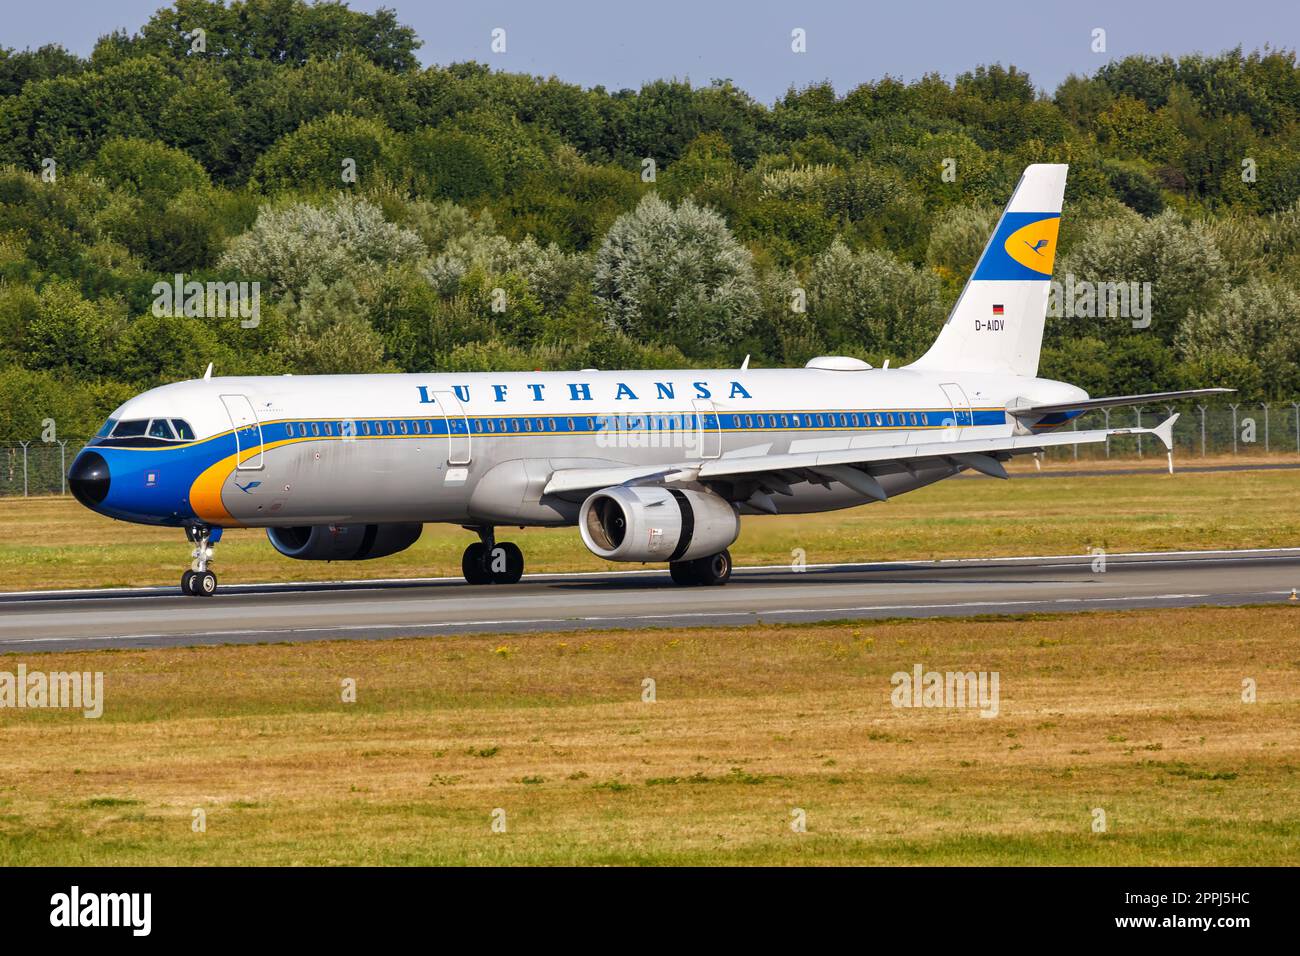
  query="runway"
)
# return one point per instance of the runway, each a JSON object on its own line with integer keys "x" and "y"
{"x": 161, "y": 617}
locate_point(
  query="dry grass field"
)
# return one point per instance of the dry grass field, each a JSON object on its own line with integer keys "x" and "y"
{"x": 54, "y": 542}
{"x": 1138, "y": 714}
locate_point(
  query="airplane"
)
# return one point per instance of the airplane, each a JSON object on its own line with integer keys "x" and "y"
{"x": 650, "y": 466}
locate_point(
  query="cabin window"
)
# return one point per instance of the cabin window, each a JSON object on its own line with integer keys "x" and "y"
{"x": 315, "y": 429}
{"x": 916, "y": 419}
{"x": 591, "y": 424}
{"x": 390, "y": 428}
{"x": 571, "y": 424}
{"x": 785, "y": 422}
{"x": 528, "y": 424}
{"x": 288, "y": 429}
{"x": 854, "y": 419}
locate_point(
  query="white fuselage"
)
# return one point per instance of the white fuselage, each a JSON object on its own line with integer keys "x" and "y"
{"x": 477, "y": 448}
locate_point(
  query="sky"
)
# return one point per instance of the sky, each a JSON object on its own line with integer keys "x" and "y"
{"x": 621, "y": 44}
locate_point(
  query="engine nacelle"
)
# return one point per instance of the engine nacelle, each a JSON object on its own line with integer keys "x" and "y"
{"x": 648, "y": 523}
{"x": 344, "y": 542}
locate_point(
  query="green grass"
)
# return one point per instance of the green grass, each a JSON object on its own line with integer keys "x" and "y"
{"x": 1139, "y": 714}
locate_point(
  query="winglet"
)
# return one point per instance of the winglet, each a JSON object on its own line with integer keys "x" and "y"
{"x": 1165, "y": 431}
{"x": 208, "y": 374}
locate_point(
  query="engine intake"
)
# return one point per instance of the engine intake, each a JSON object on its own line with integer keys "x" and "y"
{"x": 344, "y": 542}
{"x": 648, "y": 523}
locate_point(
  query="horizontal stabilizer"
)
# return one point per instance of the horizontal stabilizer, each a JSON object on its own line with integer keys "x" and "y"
{"x": 1151, "y": 398}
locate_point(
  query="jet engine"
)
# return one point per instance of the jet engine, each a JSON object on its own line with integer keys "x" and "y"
{"x": 344, "y": 542}
{"x": 649, "y": 523}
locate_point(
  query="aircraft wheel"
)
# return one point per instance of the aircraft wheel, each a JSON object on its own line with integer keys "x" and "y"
{"x": 474, "y": 566}
{"x": 683, "y": 572}
{"x": 513, "y": 560}
{"x": 713, "y": 570}
{"x": 203, "y": 584}
{"x": 187, "y": 582}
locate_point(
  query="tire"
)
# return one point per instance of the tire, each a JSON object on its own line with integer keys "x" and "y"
{"x": 683, "y": 573}
{"x": 204, "y": 583}
{"x": 187, "y": 583}
{"x": 514, "y": 564}
{"x": 714, "y": 570}
{"x": 473, "y": 565}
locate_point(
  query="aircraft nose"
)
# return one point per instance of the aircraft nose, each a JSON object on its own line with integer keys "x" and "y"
{"x": 88, "y": 478}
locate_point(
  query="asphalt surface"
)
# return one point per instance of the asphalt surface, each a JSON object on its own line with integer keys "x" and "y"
{"x": 162, "y": 617}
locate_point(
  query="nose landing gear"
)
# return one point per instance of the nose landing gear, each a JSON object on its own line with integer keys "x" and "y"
{"x": 198, "y": 581}
{"x": 486, "y": 562}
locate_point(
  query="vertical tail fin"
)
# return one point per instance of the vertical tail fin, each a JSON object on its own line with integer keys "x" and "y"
{"x": 997, "y": 323}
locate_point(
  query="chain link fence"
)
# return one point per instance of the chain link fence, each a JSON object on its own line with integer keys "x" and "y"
{"x": 37, "y": 467}
{"x": 40, "y": 468}
{"x": 1234, "y": 428}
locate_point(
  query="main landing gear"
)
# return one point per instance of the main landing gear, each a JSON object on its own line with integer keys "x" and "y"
{"x": 712, "y": 570}
{"x": 486, "y": 562}
{"x": 199, "y": 581}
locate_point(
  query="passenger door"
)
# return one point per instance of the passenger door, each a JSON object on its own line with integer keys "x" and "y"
{"x": 710, "y": 428}
{"x": 961, "y": 414}
{"x": 248, "y": 432}
{"x": 458, "y": 435}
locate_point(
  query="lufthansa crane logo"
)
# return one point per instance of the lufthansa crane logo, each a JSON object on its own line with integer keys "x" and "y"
{"x": 1033, "y": 245}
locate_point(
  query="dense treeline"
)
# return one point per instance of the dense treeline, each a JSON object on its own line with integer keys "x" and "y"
{"x": 506, "y": 221}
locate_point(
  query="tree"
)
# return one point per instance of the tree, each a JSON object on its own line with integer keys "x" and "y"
{"x": 347, "y": 238}
{"x": 1254, "y": 320}
{"x": 317, "y": 155}
{"x": 68, "y": 331}
{"x": 148, "y": 168}
{"x": 281, "y": 31}
{"x": 675, "y": 276}
{"x": 156, "y": 349}
{"x": 452, "y": 165}
{"x": 328, "y": 332}
{"x": 871, "y": 302}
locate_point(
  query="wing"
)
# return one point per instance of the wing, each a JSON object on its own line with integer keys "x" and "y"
{"x": 853, "y": 467}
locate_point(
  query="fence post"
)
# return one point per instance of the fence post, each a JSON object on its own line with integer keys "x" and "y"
{"x": 1139, "y": 434}
{"x": 1234, "y": 406}
{"x": 24, "y": 444}
{"x": 1202, "y": 409}
{"x": 63, "y": 467}
{"x": 1106, "y": 413}
{"x": 1264, "y": 405}
{"x": 1296, "y": 408}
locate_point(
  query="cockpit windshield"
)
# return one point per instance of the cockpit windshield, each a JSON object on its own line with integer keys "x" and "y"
{"x": 131, "y": 429}
{"x": 145, "y": 431}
